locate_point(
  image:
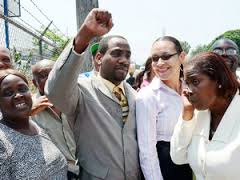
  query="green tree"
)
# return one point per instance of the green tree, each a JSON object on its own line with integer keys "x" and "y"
{"x": 199, "y": 49}
{"x": 186, "y": 46}
{"x": 60, "y": 42}
{"x": 231, "y": 34}
{"x": 234, "y": 35}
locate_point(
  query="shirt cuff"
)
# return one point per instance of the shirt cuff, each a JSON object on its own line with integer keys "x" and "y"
{"x": 77, "y": 54}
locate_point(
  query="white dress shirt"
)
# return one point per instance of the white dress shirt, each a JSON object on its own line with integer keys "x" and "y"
{"x": 218, "y": 159}
{"x": 157, "y": 110}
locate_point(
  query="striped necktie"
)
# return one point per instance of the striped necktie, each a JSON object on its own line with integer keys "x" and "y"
{"x": 117, "y": 91}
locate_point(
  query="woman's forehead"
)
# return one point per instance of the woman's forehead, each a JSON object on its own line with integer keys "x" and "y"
{"x": 191, "y": 68}
{"x": 163, "y": 46}
{"x": 11, "y": 79}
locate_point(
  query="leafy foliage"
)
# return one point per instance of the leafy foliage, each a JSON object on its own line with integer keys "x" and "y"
{"x": 231, "y": 34}
{"x": 60, "y": 41}
{"x": 186, "y": 46}
{"x": 234, "y": 35}
{"x": 199, "y": 49}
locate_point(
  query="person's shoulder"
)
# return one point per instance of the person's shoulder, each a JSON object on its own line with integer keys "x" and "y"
{"x": 84, "y": 81}
{"x": 145, "y": 93}
{"x": 86, "y": 74}
{"x": 129, "y": 88}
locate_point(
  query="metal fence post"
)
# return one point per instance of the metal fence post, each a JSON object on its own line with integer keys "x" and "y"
{"x": 6, "y": 22}
{"x": 40, "y": 40}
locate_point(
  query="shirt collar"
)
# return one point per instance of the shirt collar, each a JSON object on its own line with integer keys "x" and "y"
{"x": 156, "y": 84}
{"x": 110, "y": 85}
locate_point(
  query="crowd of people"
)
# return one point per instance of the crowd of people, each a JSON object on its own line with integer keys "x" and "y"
{"x": 177, "y": 119}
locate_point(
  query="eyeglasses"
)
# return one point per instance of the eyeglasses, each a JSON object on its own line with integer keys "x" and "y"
{"x": 164, "y": 57}
{"x": 229, "y": 52}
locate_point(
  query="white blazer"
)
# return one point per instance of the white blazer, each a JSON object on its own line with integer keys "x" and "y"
{"x": 218, "y": 159}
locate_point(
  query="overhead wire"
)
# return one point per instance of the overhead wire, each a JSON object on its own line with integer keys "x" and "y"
{"x": 23, "y": 21}
{"x": 47, "y": 17}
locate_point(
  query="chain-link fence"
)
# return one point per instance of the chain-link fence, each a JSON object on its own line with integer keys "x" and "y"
{"x": 29, "y": 43}
{"x": 26, "y": 45}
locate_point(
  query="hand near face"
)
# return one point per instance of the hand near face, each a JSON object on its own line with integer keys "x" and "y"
{"x": 188, "y": 108}
{"x": 97, "y": 23}
{"x": 40, "y": 104}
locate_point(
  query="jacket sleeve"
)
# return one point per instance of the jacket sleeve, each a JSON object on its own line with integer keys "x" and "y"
{"x": 147, "y": 138}
{"x": 180, "y": 140}
{"x": 61, "y": 87}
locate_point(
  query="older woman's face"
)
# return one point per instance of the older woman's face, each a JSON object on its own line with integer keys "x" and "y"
{"x": 15, "y": 98}
{"x": 201, "y": 90}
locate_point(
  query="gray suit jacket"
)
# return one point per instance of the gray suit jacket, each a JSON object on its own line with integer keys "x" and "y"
{"x": 106, "y": 148}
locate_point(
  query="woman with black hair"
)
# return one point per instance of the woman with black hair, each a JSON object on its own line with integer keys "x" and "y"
{"x": 26, "y": 152}
{"x": 158, "y": 107}
{"x": 145, "y": 77}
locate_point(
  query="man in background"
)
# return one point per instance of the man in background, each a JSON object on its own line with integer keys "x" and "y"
{"x": 53, "y": 121}
{"x": 229, "y": 50}
{"x": 5, "y": 58}
{"x": 93, "y": 49}
{"x": 5, "y": 62}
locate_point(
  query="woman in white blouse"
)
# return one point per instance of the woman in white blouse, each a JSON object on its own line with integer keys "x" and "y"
{"x": 207, "y": 135}
{"x": 158, "y": 107}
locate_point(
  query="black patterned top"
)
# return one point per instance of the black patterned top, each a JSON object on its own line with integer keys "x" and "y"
{"x": 29, "y": 157}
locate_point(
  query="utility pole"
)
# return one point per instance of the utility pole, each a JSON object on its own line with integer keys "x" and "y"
{"x": 83, "y": 7}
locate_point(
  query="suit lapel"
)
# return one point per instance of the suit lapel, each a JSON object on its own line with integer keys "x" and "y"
{"x": 228, "y": 121}
{"x": 129, "y": 95}
{"x": 131, "y": 105}
{"x": 203, "y": 123}
{"x": 98, "y": 84}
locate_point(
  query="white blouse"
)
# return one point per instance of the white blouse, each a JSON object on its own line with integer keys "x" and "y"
{"x": 218, "y": 159}
{"x": 157, "y": 110}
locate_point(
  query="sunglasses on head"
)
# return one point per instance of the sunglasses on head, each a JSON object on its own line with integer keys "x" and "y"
{"x": 164, "y": 57}
{"x": 229, "y": 51}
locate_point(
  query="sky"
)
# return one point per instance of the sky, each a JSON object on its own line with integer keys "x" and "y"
{"x": 143, "y": 21}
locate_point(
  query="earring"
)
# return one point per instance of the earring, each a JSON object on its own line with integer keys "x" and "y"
{"x": 219, "y": 86}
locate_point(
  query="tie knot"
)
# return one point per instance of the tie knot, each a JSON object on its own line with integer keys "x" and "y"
{"x": 117, "y": 91}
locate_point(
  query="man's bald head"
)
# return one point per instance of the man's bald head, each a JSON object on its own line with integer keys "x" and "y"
{"x": 45, "y": 63}
{"x": 225, "y": 41}
{"x": 40, "y": 72}
{"x": 229, "y": 50}
{"x": 5, "y": 58}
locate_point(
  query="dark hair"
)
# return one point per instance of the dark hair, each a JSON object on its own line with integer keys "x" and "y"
{"x": 214, "y": 66}
{"x": 148, "y": 70}
{"x": 6, "y": 72}
{"x": 103, "y": 44}
{"x": 177, "y": 45}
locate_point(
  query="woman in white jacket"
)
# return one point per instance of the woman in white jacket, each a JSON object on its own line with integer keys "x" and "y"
{"x": 207, "y": 135}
